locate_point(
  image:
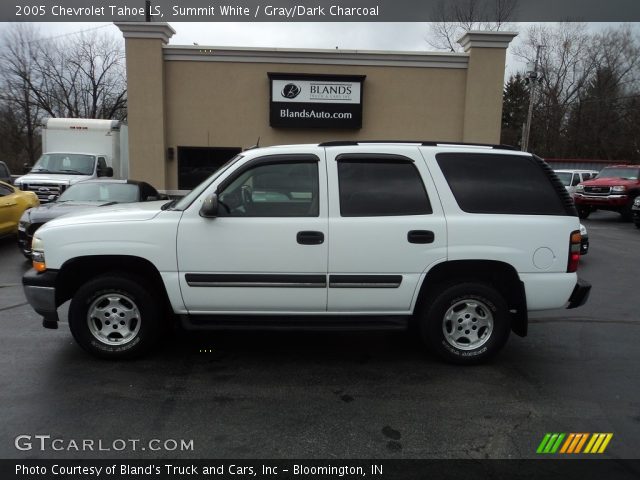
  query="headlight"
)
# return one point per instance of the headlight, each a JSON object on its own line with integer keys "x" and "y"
{"x": 580, "y": 188}
{"x": 619, "y": 188}
{"x": 37, "y": 254}
{"x": 583, "y": 230}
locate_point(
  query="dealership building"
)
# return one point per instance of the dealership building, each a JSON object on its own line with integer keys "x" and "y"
{"x": 190, "y": 108}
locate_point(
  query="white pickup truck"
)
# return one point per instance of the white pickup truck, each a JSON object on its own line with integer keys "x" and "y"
{"x": 461, "y": 240}
{"x": 75, "y": 150}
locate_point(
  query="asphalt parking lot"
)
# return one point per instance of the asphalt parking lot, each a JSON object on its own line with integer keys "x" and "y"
{"x": 364, "y": 395}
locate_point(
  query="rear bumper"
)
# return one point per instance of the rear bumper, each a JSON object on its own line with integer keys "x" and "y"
{"x": 580, "y": 294}
{"x": 39, "y": 288}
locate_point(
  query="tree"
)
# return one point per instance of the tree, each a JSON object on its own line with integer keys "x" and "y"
{"x": 79, "y": 76}
{"x": 454, "y": 18}
{"x": 515, "y": 104}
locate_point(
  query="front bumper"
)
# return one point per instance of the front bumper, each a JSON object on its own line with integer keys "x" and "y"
{"x": 601, "y": 200}
{"x": 39, "y": 288}
{"x": 580, "y": 294}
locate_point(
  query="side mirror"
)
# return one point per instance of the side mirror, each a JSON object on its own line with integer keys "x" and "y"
{"x": 26, "y": 168}
{"x": 209, "y": 207}
{"x": 105, "y": 172}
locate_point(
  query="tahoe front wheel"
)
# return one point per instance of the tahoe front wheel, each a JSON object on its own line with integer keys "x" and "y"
{"x": 466, "y": 323}
{"x": 114, "y": 316}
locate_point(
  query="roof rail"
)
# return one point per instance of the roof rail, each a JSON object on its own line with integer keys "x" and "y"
{"x": 424, "y": 143}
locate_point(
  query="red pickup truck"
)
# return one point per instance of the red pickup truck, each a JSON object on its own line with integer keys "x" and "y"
{"x": 615, "y": 188}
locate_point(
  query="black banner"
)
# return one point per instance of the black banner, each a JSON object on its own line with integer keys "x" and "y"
{"x": 315, "y": 101}
{"x": 303, "y": 469}
{"x": 315, "y": 10}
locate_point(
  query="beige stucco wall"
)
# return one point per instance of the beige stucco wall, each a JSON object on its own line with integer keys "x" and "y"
{"x": 227, "y": 105}
{"x": 195, "y": 102}
{"x": 145, "y": 110}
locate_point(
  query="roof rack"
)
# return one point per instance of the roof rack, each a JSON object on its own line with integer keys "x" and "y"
{"x": 424, "y": 143}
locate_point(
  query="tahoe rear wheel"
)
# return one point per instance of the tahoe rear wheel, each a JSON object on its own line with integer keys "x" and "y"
{"x": 114, "y": 316}
{"x": 466, "y": 323}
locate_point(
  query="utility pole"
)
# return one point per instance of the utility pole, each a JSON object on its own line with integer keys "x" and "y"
{"x": 532, "y": 79}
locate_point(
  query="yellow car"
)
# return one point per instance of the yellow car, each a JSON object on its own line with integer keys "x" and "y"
{"x": 12, "y": 203}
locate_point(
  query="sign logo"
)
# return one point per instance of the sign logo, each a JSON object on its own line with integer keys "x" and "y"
{"x": 290, "y": 90}
{"x": 574, "y": 443}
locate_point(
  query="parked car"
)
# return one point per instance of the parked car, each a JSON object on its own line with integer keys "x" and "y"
{"x": 81, "y": 196}
{"x": 5, "y": 174}
{"x": 584, "y": 240}
{"x": 635, "y": 211}
{"x": 461, "y": 241}
{"x": 13, "y": 203}
{"x": 571, "y": 178}
{"x": 615, "y": 189}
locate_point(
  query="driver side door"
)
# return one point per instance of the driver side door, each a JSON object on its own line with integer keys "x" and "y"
{"x": 266, "y": 252}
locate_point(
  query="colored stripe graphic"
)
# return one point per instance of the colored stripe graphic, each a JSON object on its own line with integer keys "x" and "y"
{"x": 550, "y": 443}
{"x": 573, "y": 443}
{"x": 598, "y": 443}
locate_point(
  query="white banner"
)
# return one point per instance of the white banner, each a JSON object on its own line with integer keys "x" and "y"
{"x": 315, "y": 91}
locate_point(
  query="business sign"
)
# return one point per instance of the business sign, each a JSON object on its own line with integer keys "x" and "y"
{"x": 315, "y": 101}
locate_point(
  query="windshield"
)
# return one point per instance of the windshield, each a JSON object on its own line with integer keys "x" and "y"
{"x": 185, "y": 201}
{"x": 101, "y": 192}
{"x": 628, "y": 173}
{"x": 565, "y": 178}
{"x": 67, "y": 163}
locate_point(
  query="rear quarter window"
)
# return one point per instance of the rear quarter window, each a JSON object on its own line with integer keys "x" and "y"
{"x": 494, "y": 183}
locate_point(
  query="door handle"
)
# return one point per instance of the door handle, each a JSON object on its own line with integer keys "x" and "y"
{"x": 421, "y": 236}
{"x": 310, "y": 238}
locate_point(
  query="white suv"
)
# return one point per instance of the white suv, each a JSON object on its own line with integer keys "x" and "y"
{"x": 461, "y": 240}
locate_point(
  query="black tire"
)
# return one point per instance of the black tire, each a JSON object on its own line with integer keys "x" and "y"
{"x": 137, "y": 310}
{"x": 627, "y": 211}
{"x": 477, "y": 304}
{"x": 584, "y": 212}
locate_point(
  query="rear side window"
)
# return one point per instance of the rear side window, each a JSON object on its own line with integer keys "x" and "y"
{"x": 380, "y": 185}
{"x": 492, "y": 183}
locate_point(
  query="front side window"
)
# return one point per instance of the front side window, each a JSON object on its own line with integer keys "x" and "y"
{"x": 380, "y": 185}
{"x": 278, "y": 189}
{"x": 5, "y": 190}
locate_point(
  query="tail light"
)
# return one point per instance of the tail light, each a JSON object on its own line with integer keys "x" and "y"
{"x": 574, "y": 251}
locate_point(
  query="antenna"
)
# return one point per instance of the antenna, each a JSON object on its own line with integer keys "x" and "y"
{"x": 257, "y": 145}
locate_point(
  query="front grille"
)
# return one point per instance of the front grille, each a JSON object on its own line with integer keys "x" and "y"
{"x": 44, "y": 190}
{"x": 597, "y": 190}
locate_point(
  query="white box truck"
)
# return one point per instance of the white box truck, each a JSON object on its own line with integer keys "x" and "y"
{"x": 77, "y": 149}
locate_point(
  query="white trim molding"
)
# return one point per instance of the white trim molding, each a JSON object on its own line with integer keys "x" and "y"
{"x": 160, "y": 30}
{"x": 483, "y": 39}
{"x": 318, "y": 57}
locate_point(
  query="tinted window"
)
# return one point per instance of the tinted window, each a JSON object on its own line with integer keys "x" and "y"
{"x": 3, "y": 171}
{"x": 287, "y": 189}
{"x": 4, "y": 190}
{"x": 380, "y": 186}
{"x": 493, "y": 183}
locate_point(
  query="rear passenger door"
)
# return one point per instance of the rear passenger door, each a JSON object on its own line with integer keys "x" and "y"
{"x": 386, "y": 227}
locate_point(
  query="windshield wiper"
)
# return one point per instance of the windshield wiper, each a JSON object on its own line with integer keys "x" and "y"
{"x": 40, "y": 170}
{"x": 70, "y": 170}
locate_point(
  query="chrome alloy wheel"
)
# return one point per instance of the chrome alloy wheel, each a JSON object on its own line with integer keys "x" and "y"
{"x": 467, "y": 324}
{"x": 113, "y": 319}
